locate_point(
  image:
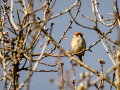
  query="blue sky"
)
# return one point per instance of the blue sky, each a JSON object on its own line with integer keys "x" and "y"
{"x": 40, "y": 80}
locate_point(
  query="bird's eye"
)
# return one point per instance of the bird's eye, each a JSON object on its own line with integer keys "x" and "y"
{"x": 78, "y": 35}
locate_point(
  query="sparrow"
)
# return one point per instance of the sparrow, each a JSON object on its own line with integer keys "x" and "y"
{"x": 78, "y": 44}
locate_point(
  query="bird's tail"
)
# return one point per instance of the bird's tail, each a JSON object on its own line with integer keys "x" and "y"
{"x": 80, "y": 58}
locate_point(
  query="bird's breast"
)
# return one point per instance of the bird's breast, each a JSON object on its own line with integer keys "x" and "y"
{"x": 77, "y": 44}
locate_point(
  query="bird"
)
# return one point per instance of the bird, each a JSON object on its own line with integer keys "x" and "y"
{"x": 78, "y": 44}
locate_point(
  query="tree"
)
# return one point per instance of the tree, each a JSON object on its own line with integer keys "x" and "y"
{"x": 28, "y": 29}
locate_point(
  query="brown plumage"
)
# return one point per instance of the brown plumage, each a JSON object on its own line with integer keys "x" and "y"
{"x": 78, "y": 44}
